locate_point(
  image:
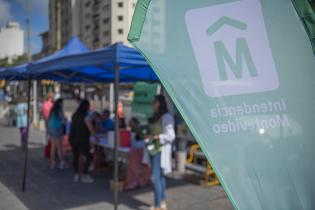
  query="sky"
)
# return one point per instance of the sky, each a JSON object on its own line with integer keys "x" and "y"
{"x": 15, "y": 10}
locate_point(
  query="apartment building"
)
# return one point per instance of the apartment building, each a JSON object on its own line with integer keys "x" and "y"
{"x": 98, "y": 23}
{"x": 11, "y": 41}
{"x": 64, "y": 22}
{"x": 154, "y": 32}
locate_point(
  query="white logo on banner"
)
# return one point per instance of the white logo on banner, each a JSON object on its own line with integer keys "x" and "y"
{"x": 232, "y": 50}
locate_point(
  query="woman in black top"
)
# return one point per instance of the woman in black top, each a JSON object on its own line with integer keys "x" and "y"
{"x": 81, "y": 130}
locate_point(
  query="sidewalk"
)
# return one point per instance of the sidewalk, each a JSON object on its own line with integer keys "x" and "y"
{"x": 48, "y": 189}
{"x": 9, "y": 200}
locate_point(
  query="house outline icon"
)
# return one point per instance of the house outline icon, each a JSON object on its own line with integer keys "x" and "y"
{"x": 226, "y": 21}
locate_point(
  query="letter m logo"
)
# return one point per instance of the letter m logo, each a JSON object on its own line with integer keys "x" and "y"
{"x": 243, "y": 56}
{"x": 242, "y": 51}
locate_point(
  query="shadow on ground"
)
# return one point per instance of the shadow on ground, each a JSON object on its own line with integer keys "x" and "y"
{"x": 54, "y": 189}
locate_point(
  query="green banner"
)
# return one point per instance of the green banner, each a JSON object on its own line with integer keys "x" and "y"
{"x": 241, "y": 72}
{"x": 142, "y": 101}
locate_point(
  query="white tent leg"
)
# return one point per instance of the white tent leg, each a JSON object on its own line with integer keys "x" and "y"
{"x": 111, "y": 97}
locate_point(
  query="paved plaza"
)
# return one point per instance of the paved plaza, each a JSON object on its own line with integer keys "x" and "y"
{"x": 54, "y": 189}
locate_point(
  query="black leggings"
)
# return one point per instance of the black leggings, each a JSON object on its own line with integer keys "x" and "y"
{"x": 85, "y": 151}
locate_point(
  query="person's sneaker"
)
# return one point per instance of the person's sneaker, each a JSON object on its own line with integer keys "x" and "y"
{"x": 163, "y": 206}
{"x": 61, "y": 165}
{"x": 76, "y": 178}
{"x": 52, "y": 166}
{"x": 87, "y": 179}
{"x": 91, "y": 167}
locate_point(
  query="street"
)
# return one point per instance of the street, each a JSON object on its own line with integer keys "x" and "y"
{"x": 54, "y": 189}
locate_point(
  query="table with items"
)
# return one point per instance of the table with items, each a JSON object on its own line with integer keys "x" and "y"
{"x": 134, "y": 170}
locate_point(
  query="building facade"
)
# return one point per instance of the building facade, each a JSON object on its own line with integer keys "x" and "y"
{"x": 64, "y": 19}
{"x": 98, "y": 23}
{"x": 154, "y": 33}
{"x": 11, "y": 41}
{"x": 45, "y": 43}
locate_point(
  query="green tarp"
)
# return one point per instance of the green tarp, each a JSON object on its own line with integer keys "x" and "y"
{"x": 142, "y": 101}
{"x": 241, "y": 72}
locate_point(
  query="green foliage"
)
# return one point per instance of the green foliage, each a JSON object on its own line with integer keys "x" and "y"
{"x": 17, "y": 61}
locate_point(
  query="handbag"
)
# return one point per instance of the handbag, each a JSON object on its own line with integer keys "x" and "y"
{"x": 47, "y": 150}
{"x": 153, "y": 146}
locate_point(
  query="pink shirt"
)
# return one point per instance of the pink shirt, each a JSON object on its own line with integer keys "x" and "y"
{"x": 47, "y": 106}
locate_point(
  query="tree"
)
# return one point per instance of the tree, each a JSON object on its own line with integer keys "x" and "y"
{"x": 17, "y": 61}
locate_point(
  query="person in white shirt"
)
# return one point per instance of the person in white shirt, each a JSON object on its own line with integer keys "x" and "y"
{"x": 21, "y": 120}
{"x": 161, "y": 135}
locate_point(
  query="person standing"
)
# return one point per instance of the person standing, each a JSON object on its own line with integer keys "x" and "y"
{"x": 135, "y": 128}
{"x": 55, "y": 132}
{"x": 161, "y": 135}
{"x": 46, "y": 108}
{"x": 21, "y": 120}
{"x": 107, "y": 122}
{"x": 80, "y": 133}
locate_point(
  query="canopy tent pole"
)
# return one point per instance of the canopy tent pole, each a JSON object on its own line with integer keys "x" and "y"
{"x": 29, "y": 56}
{"x": 35, "y": 101}
{"x": 116, "y": 143}
{"x": 27, "y": 132}
{"x": 111, "y": 97}
{"x": 103, "y": 99}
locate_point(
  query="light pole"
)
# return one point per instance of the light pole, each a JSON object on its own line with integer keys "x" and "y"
{"x": 29, "y": 56}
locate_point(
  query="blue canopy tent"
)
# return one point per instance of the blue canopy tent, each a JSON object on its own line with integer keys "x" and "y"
{"x": 14, "y": 73}
{"x": 75, "y": 64}
{"x": 117, "y": 63}
{"x": 97, "y": 65}
{"x": 73, "y": 47}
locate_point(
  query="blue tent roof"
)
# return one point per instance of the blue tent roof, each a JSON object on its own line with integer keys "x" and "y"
{"x": 75, "y": 64}
{"x": 73, "y": 47}
{"x": 97, "y": 66}
{"x": 14, "y": 73}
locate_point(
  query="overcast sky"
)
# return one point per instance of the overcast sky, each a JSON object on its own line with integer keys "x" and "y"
{"x": 15, "y": 10}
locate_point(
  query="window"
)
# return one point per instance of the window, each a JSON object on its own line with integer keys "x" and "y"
{"x": 96, "y": 27}
{"x": 106, "y": 7}
{"x": 87, "y": 4}
{"x": 155, "y": 22}
{"x": 96, "y": 16}
{"x": 120, "y": 4}
{"x": 156, "y": 35}
{"x": 106, "y": 33}
{"x": 87, "y": 27}
{"x": 156, "y": 9}
{"x": 106, "y": 21}
{"x": 87, "y": 16}
{"x": 120, "y": 31}
{"x": 156, "y": 47}
{"x": 120, "y": 18}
